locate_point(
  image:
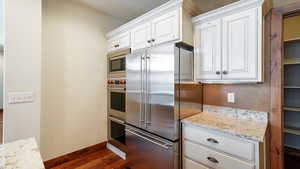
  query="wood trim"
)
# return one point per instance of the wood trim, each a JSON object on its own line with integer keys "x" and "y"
{"x": 74, "y": 155}
{"x": 289, "y": 10}
{"x": 276, "y": 116}
{"x": 277, "y": 100}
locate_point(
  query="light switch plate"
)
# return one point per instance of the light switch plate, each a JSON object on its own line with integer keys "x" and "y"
{"x": 20, "y": 97}
{"x": 230, "y": 97}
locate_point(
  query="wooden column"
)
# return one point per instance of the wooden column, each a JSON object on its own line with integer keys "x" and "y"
{"x": 276, "y": 115}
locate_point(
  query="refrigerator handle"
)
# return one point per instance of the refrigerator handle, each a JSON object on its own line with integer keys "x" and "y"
{"x": 148, "y": 107}
{"x": 158, "y": 142}
{"x": 142, "y": 105}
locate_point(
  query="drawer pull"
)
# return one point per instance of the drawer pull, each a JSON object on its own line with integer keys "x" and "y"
{"x": 212, "y": 140}
{"x": 213, "y": 160}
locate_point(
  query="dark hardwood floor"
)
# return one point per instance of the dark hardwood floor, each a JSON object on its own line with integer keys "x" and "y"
{"x": 101, "y": 159}
{"x": 1, "y": 126}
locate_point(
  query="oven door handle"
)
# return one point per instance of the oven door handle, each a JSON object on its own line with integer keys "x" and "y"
{"x": 122, "y": 89}
{"x": 116, "y": 120}
{"x": 160, "y": 143}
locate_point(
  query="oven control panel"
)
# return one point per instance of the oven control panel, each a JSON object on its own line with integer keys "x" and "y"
{"x": 116, "y": 83}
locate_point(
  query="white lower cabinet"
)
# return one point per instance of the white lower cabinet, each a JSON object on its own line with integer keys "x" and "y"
{"x": 213, "y": 158}
{"x": 209, "y": 149}
{"x": 190, "y": 164}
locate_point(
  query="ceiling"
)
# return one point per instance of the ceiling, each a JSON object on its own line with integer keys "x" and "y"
{"x": 126, "y": 10}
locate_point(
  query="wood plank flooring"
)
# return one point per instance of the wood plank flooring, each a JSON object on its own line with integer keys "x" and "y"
{"x": 1, "y": 126}
{"x": 101, "y": 159}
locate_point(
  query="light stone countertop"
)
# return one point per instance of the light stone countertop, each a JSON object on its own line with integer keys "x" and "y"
{"x": 246, "y": 129}
{"x": 21, "y": 154}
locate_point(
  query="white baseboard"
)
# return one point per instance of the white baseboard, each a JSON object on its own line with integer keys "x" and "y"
{"x": 116, "y": 151}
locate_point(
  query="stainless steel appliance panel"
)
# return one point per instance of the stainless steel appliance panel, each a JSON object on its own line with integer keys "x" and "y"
{"x": 147, "y": 151}
{"x": 135, "y": 103}
{"x": 160, "y": 87}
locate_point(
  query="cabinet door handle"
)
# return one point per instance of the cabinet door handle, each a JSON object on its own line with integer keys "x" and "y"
{"x": 213, "y": 160}
{"x": 153, "y": 40}
{"x": 149, "y": 41}
{"x": 218, "y": 72}
{"x": 212, "y": 140}
{"x": 225, "y": 72}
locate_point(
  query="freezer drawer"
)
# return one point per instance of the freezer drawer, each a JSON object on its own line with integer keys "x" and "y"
{"x": 146, "y": 151}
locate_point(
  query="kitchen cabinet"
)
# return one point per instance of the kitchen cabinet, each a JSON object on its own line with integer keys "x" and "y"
{"x": 166, "y": 27}
{"x": 208, "y": 51}
{"x": 118, "y": 42}
{"x": 161, "y": 29}
{"x": 228, "y": 44}
{"x": 204, "y": 148}
{"x": 171, "y": 21}
{"x": 141, "y": 36}
{"x": 239, "y": 46}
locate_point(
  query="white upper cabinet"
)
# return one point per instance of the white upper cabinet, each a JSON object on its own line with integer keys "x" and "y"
{"x": 228, "y": 44}
{"x": 118, "y": 42}
{"x": 208, "y": 51}
{"x": 239, "y": 52}
{"x": 159, "y": 30}
{"x": 141, "y": 36}
{"x": 166, "y": 27}
{"x": 171, "y": 21}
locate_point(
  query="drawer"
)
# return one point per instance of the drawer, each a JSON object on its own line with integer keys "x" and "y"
{"x": 213, "y": 159}
{"x": 190, "y": 164}
{"x": 232, "y": 146}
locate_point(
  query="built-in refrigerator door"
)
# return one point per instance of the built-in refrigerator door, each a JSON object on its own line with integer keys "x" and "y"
{"x": 147, "y": 151}
{"x": 160, "y": 116}
{"x": 135, "y": 103}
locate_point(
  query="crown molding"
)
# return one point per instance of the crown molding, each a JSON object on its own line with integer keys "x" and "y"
{"x": 239, "y": 5}
{"x": 123, "y": 28}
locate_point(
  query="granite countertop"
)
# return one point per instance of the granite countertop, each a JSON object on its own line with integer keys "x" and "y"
{"x": 22, "y": 154}
{"x": 243, "y": 128}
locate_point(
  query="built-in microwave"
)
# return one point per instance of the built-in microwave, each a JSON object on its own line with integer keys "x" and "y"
{"x": 117, "y": 64}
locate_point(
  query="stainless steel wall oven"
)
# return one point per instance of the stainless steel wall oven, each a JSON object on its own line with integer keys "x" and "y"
{"x": 117, "y": 98}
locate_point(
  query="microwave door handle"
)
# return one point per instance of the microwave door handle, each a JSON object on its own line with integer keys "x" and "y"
{"x": 160, "y": 143}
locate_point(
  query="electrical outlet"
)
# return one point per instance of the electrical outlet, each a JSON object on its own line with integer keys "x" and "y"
{"x": 230, "y": 97}
{"x": 20, "y": 97}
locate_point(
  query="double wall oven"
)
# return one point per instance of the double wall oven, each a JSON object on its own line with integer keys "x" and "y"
{"x": 117, "y": 98}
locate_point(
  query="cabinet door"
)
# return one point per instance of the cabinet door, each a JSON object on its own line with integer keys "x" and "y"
{"x": 189, "y": 164}
{"x": 208, "y": 51}
{"x": 140, "y": 36}
{"x": 124, "y": 40}
{"x": 112, "y": 44}
{"x": 166, "y": 27}
{"x": 239, "y": 49}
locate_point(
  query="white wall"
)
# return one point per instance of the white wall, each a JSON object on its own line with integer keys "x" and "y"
{"x": 1, "y": 22}
{"x": 1, "y": 50}
{"x": 74, "y": 77}
{"x": 22, "y": 59}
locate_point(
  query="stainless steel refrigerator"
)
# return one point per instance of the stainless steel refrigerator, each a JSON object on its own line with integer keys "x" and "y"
{"x": 153, "y": 104}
